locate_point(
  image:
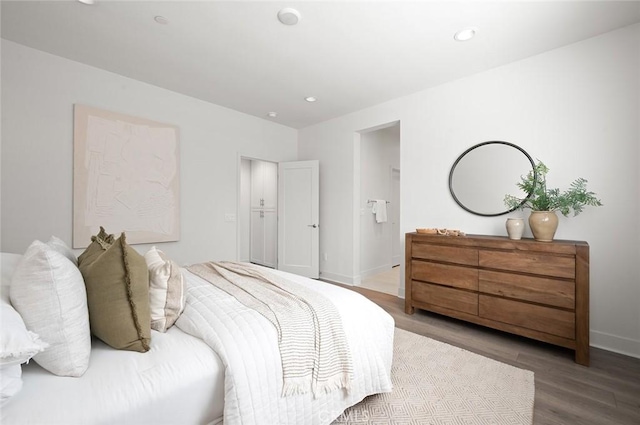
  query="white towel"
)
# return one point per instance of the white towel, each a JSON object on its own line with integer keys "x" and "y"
{"x": 380, "y": 210}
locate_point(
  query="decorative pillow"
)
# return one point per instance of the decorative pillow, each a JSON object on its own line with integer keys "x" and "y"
{"x": 48, "y": 291}
{"x": 62, "y": 248}
{"x": 117, "y": 282}
{"x": 17, "y": 346}
{"x": 166, "y": 290}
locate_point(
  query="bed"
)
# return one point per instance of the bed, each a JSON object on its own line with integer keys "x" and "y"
{"x": 220, "y": 362}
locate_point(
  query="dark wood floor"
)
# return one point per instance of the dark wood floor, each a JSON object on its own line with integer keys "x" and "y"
{"x": 607, "y": 392}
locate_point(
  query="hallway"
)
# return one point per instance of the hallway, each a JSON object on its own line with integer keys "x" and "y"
{"x": 387, "y": 281}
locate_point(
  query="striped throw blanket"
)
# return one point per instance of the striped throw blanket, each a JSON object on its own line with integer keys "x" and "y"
{"x": 313, "y": 347}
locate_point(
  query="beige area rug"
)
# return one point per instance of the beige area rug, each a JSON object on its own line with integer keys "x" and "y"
{"x": 437, "y": 383}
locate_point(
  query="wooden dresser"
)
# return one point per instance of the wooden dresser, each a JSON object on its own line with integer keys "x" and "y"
{"x": 535, "y": 289}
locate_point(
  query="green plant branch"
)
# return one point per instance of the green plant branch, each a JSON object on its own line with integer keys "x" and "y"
{"x": 543, "y": 199}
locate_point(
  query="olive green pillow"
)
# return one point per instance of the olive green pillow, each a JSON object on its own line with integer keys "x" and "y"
{"x": 117, "y": 282}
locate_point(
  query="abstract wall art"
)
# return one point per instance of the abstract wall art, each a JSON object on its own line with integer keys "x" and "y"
{"x": 126, "y": 177}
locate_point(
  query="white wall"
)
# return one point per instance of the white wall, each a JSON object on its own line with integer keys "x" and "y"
{"x": 38, "y": 93}
{"x": 379, "y": 151}
{"x": 576, "y": 108}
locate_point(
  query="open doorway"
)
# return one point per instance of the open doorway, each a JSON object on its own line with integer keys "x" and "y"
{"x": 278, "y": 215}
{"x": 380, "y": 252}
{"x": 258, "y": 212}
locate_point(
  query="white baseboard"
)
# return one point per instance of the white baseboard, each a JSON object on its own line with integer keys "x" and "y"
{"x": 617, "y": 344}
{"x": 401, "y": 292}
{"x": 338, "y": 278}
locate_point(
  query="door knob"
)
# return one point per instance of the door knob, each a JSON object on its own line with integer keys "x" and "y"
{"x": 312, "y": 225}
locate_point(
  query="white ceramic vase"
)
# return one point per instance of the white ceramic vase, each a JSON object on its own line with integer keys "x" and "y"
{"x": 515, "y": 228}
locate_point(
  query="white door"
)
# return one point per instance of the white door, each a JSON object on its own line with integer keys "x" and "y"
{"x": 257, "y": 237}
{"x": 298, "y": 218}
{"x": 270, "y": 219}
{"x": 264, "y": 237}
{"x": 263, "y": 184}
{"x": 270, "y": 185}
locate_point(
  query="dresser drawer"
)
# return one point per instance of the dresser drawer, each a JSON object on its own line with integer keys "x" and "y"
{"x": 453, "y": 299}
{"x": 444, "y": 274}
{"x": 539, "y": 318}
{"x": 449, "y": 254}
{"x": 541, "y": 264}
{"x": 552, "y": 292}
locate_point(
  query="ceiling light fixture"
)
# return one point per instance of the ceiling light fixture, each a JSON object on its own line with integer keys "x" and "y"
{"x": 161, "y": 20}
{"x": 289, "y": 16}
{"x": 87, "y": 2}
{"x": 311, "y": 98}
{"x": 465, "y": 34}
{"x": 272, "y": 114}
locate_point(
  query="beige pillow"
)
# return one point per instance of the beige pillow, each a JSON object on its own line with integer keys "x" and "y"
{"x": 117, "y": 282}
{"x": 166, "y": 290}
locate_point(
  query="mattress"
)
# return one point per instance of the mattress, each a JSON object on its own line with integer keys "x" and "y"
{"x": 179, "y": 381}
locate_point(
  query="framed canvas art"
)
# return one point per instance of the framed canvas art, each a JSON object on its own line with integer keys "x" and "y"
{"x": 125, "y": 177}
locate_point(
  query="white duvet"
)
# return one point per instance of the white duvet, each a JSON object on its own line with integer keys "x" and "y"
{"x": 178, "y": 382}
{"x": 246, "y": 343}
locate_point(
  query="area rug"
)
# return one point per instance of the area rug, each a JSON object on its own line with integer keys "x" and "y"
{"x": 436, "y": 383}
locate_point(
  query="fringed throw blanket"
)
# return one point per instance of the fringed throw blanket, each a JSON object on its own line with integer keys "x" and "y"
{"x": 313, "y": 346}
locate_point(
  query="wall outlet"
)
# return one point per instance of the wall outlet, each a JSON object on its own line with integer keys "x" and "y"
{"x": 325, "y": 256}
{"x": 230, "y": 217}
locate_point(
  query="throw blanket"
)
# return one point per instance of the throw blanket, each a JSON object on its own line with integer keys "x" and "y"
{"x": 247, "y": 344}
{"x": 313, "y": 347}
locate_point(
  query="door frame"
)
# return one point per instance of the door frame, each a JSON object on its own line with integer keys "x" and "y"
{"x": 392, "y": 170}
{"x": 239, "y": 159}
{"x": 357, "y": 142}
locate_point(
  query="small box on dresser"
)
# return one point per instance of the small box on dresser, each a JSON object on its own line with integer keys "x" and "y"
{"x": 535, "y": 289}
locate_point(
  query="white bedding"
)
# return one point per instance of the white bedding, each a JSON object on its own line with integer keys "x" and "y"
{"x": 179, "y": 381}
{"x": 247, "y": 345}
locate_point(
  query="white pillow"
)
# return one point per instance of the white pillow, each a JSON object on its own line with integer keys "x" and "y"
{"x": 17, "y": 346}
{"x": 48, "y": 291}
{"x": 166, "y": 290}
{"x": 59, "y": 245}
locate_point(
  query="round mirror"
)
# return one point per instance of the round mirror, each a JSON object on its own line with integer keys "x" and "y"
{"x": 485, "y": 173}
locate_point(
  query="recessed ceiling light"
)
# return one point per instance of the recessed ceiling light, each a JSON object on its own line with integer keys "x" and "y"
{"x": 289, "y": 16}
{"x": 87, "y": 2}
{"x": 311, "y": 98}
{"x": 465, "y": 34}
{"x": 272, "y": 114}
{"x": 161, "y": 20}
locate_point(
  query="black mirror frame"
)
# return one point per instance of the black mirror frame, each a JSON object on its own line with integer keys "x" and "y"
{"x": 495, "y": 142}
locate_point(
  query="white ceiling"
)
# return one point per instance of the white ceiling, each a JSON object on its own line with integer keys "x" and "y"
{"x": 350, "y": 55}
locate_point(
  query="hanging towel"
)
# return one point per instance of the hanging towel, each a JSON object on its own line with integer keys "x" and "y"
{"x": 380, "y": 210}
